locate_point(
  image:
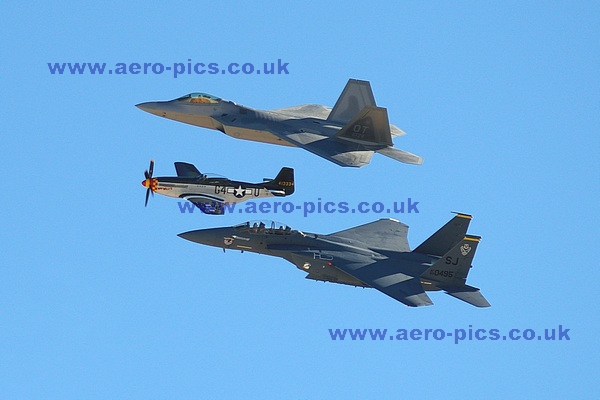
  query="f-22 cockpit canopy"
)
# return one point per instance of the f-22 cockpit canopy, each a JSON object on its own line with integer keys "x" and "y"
{"x": 264, "y": 226}
{"x": 199, "y": 98}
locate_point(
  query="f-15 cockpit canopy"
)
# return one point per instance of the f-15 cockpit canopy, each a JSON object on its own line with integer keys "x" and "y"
{"x": 199, "y": 98}
{"x": 264, "y": 226}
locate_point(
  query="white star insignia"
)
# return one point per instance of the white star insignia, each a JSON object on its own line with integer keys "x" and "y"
{"x": 239, "y": 192}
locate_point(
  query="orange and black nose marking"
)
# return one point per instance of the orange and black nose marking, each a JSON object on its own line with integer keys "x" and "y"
{"x": 150, "y": 184}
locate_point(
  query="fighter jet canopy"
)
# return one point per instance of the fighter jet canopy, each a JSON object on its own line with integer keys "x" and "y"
{"x": 263, "y": 226}
{"x": 199, "y": 98}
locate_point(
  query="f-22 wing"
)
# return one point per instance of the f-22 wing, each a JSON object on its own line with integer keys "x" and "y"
{"x": 354, "y": 144}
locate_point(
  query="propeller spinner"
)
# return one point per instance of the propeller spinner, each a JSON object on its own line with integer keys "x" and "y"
{"x": 149, "y": 183}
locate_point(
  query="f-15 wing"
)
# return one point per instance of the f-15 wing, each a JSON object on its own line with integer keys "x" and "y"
{"x": 383, "y": 277}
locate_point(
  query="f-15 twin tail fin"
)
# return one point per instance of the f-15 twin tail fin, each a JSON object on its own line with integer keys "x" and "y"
{"x": 449, "y": 273}
{"x": 446, "y": 237}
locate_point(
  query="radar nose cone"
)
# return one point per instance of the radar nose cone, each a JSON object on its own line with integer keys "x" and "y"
{"x": 202, "y": 236}
{"x": 144, "y": 106}
{"x": 191, "y": 235}
{"x": 152, "y": 107}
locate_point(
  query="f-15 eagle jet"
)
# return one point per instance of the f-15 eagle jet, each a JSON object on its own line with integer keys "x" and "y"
{"x": 373, "y": 255}
{"x": 211, "y": 193}
{"x": 348, "y": 135}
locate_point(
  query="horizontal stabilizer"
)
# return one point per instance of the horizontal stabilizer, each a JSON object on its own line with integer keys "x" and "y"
{"x": 185, "y": 170}
{"x": 400, "y": 155}
{"x": 389, "y": 280}
{"x": 396, "y": 131}
{"x": 384, "y": 234}
{"x": 468, "y": 294}
{"x": 409, "y": 292}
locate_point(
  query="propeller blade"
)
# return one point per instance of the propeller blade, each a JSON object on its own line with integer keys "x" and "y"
{"x": 148, "y": 175}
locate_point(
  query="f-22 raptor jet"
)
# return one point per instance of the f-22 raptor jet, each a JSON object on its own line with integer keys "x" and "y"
{"x": 348, "y": 135}
{"x": 211, "y": 193}
{"x": 373, "y": 255}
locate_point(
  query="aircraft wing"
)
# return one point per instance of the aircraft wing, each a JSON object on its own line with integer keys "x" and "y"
{"x": 381, "y": 276}
{"x": 207, "y": 205}
{"x": 322, "y": 112}
{"x": 384, "y": 234}
{"x": 345, "y": 154}
{"x": 366, "y": 132}
{"x": 409, "y": 291}
{"x": 305, "y": 111}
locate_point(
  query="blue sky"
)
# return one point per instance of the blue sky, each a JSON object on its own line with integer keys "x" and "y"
{"x": 100, "y": 298}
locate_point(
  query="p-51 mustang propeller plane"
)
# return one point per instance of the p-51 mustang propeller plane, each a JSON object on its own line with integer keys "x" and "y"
{"x": 211, "y": 193}
{"x": 348, "y": 135}
{"x": 373, "y": 255}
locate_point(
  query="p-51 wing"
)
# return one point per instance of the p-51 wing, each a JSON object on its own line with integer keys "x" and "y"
{"x": 207, "y": 204}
